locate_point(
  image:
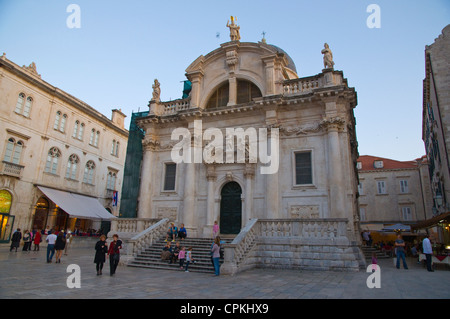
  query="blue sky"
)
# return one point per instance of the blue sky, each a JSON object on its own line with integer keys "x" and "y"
{"x": 122, "y": 46}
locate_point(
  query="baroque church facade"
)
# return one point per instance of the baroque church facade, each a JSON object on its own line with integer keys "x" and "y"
{"x": 254, "y": 142}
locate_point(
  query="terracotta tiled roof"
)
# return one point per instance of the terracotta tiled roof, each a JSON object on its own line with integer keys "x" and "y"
{"x": 367, "y": 162}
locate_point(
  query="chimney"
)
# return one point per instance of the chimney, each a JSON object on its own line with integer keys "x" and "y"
{"x": 118, "y": 118}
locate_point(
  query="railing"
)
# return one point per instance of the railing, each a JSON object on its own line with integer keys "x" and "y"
{"x": 302, "y": 231}
{"x": 132, "y": 225}
{"x": 173, "y": 107}
{"x": 308, "y": 84}
{"x": 327, "y": 229}
{"x": 146, "y": 238}
{"x": 302, "y": 85}
{"x": 11, "y": 169}
{"x": 239, "y": 248}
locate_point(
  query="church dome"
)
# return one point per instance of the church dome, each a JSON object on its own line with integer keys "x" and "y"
{"x": 291, "y": 64}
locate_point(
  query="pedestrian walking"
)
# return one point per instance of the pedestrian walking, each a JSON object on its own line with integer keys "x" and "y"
{"x": 216, "y": 256}
{"x": 114, "y": 254}
{"x": 15, "y": 240}
{"x": 27, "y": 238}
{"x": 428, "y": 251}
{"x": 37, "y": 240}
{"x": 60, "y": 244}
{"x": 400, "y": 251}
{"x": 69, "y": 237}
{"x": 51, "y": 240}
{"x": 101, "y": 249}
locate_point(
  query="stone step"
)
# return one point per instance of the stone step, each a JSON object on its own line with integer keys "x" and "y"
{"x": 201, "y": 252}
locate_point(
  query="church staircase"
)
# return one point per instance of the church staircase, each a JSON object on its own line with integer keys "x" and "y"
{"x": 201, "y": 247}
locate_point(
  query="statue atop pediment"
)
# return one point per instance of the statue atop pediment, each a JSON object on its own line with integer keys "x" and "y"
{"x": 234, "y": 29}
{"x": 327, "y": 57}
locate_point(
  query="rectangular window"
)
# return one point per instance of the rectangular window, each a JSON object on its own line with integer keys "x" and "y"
{"x": 362, "y": 213}
{"x": 360, "y": 188}
{"x": 406, "y": 213}
{"x": 404, "y": 186}
{"x": 381, "y": 187}
{"x": 169, "y": 178}
{"x": 303, "y": 168}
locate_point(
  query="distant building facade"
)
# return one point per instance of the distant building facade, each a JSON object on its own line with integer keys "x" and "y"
{"x": 393, "y": 192}
{"x": 53, "y": 143}
{"x": 436, "y": 118}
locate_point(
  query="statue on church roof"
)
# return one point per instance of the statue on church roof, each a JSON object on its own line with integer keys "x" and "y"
{"x": 327, "y": 57}
{"x": 234, "y": 29}
{"x": 156, "y": 91}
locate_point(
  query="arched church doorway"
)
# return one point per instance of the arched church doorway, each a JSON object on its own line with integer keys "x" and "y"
{"x": 231, "y": 209}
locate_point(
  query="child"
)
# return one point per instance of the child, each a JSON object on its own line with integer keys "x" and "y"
{"x": 188, "y": 258}
{"x": 374, "y": 262}
{"x": 215, "y": 229}
{"x": 181, "y": 256}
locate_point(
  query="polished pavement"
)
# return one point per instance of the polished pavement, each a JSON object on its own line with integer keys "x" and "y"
{"x": 28, "y": 275}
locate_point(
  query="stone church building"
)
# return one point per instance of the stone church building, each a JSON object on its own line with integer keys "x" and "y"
{"x": 262, "y": 152}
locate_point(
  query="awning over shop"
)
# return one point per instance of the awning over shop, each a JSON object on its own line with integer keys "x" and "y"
{"x": 78, "y": 206}
{"x": 397, "y": 228}
{"x": 432, "y": 221}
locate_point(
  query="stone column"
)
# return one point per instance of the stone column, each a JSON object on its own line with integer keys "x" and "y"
{"x": 249, "y": 173}
{"x": 210, "y": 211}
{"x": 232, "y": 95}
{"x": 145, "y": 189}
{"x": 336, "y": 178}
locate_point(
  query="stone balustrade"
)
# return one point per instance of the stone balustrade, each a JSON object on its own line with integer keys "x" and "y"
{"x": 306, "y": 85}
{"x": 146, "y": 238}
{"x": 131, "y": 225}
{"x": 320, "y": 244}
{"x": 175, "y": 106}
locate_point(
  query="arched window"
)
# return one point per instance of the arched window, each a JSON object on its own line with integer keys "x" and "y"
{"x": 13, "y": 151}
{"x": 19, "y": 104}
{"x": 5, "y": 202}
{"x": 246, "y": 91}
{"x": 27, "y": 109}
{"x": 20, "y": 108}
{"x": 111, "y": 180}
{"x": 81, "y": 132}
{"x": 72, "y": 166}
{"x": 75, "y": 129}
{"x": 115, "y": 148}
{"x": 52, "y": 160}
{"x": 89, "y": 170}
{"x": 219, "y": 97}
{"x": 60, "y": 122}
{"x": 94, "y": 138}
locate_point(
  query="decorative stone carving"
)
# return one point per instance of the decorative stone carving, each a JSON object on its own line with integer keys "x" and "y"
{"x": 234, "y": 30}
{"x": 156, "y": 91}
{"x": 304, "y": 211}
{"x": 32, "y": 69}
{"x": 167, "y": 212}
{"x": 327, "y": 57}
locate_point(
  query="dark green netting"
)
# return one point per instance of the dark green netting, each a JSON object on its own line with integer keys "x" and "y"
{"x": 132, "y": 170}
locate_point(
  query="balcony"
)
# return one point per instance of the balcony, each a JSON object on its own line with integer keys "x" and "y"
{"x": 11, "y": 169}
